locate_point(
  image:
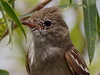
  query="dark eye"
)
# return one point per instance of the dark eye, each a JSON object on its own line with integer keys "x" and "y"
{"x": 47, "y": 23}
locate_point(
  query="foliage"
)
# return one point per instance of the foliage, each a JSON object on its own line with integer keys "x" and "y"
{"x": 10, "y": 11}
{"x": 3, "y": 72}
{"x": 90, "y": 24}
{"x": 98, "y": 25}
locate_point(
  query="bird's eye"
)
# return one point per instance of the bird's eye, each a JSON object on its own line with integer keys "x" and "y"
{"x": 48, "y": 23}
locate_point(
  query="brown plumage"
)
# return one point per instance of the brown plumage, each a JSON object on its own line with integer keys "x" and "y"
{"x": 51, "y": 51}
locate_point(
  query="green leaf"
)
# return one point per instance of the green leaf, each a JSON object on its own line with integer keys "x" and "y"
{"x": 26, "y": 15}
{"x": 98, "y": 24}
{"x": 11, "y": 1}
{"x": 63, "y": 2}
{"x": 70, "y": 1}
{"x": 3, "y": 72}
{"x": 90, "y": 25}
{"x": 9, "y": 10}
{"x": 3, "y": 27}
{"x": 72, "y": 5}
{"x": 2, "y": 23}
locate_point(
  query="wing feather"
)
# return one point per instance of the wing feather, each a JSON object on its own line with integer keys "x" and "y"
{"x": 76, "y": 62}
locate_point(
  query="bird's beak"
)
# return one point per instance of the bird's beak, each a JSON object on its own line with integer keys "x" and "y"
{"x": 31, "y": 25}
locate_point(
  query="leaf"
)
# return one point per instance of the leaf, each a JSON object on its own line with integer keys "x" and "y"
{"x": 2, "y": 23}
{"x": 2, "y": 30}
{"x": 70, "y": 1}
{"x": 26, "y": 15}
{"x": 72, "y": 5}
{"x": 11, "y": 1}
{"x": 3, "y": 72}
{"x": 69, "y": 4}
{"x": 90, "y": 26}
{"x": 63, "y": 2}
{"x": 9, "y": 10}
{"x": 3, "y": 27}
{"x": 98, "y": 24}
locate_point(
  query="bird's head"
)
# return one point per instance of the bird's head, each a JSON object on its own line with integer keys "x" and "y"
{"x": 48, "y": 22}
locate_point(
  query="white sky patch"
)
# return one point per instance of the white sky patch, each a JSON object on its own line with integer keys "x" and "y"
{"x": 1, "y": 15}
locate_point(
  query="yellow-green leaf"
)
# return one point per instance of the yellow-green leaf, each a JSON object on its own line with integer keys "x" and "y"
{"x": 72, "y": 5}
{"x": 98, "y": 24}
{"x": 10, "y": 11}
{"x": 3, "y": 72}
{"x": 90, "y": 25}
{"x": 11, "y": 1}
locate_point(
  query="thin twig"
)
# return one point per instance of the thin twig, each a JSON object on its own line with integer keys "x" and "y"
{"x": 37, "y": 7}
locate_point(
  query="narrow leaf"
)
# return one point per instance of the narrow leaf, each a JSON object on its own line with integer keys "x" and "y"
{"x": 98, "y": 24}
{"x": 11, "y": 1}
{"x": 90, "y": 26}
{"x": 3, "y": 72}
{"x": 5, "y": 19}
{"x": 72, "y": 5}
{"x": 2, "y": 23}
{"x": 26, "y": 15}
{"x": 9, "y": 10}
{"x": 70, "y": 1}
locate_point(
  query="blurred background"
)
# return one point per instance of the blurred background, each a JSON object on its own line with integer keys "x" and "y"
{"x": 12, "y": 56}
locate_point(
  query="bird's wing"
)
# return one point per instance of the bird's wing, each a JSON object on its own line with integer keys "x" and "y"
{"x": 76, "y": 62}
{"x": 27, "y": 65}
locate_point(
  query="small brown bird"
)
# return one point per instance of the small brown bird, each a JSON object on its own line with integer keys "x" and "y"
{"x": 51, "y": 51}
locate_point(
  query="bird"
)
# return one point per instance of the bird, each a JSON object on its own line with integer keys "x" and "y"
{"x": 51, "y": 51}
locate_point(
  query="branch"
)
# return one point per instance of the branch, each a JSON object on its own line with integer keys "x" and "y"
{"x": 37, "y": 7}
